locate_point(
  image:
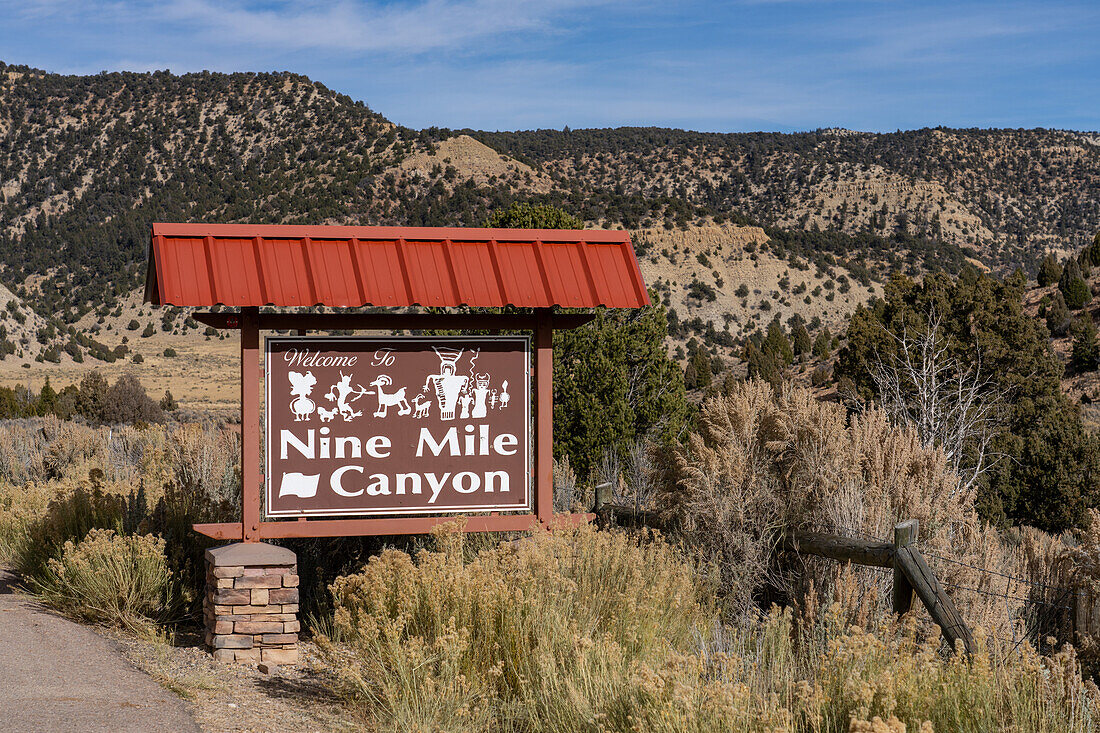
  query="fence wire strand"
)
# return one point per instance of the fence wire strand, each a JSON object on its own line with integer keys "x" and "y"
{"x": 1015, "y": 578}
{"x": 1043, "y": 613}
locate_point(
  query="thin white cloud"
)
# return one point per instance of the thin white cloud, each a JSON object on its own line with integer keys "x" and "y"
{"x": 412, "y": 27}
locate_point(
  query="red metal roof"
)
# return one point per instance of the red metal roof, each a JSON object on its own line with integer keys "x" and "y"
{"x": 344, "y": 266}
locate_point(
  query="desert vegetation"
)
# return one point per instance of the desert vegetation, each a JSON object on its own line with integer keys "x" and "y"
{"x": 710, "y": 626}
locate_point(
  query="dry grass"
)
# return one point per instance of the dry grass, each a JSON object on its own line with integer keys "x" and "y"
{"x": 595, "y": 631}
{"x": 764, "y": 464}
{"x": 121, "y": 580}
{"x": 61, "y": 480}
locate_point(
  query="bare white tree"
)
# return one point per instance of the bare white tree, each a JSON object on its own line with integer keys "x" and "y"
{"x": 952, "y": 405}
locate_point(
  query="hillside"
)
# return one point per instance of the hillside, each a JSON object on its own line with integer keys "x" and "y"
{"x": 1006, "y": 194}
{"x": 731, "y": 230}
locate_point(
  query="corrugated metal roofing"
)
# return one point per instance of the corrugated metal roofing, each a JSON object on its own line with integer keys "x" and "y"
{"x": 339, "y": 266}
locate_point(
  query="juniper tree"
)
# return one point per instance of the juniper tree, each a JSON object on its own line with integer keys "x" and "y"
{"x": 1050, "y": 472}
{"x": 613, "y": 379}
{"x": 1073, "y": 286}
{"x": 1049, "y": 271}
{"x": 1085, "y": 351}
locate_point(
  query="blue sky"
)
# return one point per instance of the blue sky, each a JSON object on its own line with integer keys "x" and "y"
{"x": 720, "y": 66}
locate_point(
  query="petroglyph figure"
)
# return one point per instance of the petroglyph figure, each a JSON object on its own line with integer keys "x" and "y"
{"x": 504, "y": 396}
{"x": 422, "y": 405}
{"x": 481, "y": 392}
{"x": 343, "y": 395}
{"x": 447, "y": 384}
{"x": 386, "y": 401}
{"x": 326, "y": 415}
{"x": 301, "y": 387}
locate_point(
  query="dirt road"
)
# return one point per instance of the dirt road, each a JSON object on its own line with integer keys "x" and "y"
{"x": 59, "y": 676}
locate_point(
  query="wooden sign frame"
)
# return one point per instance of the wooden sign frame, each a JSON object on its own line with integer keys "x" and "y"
{"x": 249, "y": 321}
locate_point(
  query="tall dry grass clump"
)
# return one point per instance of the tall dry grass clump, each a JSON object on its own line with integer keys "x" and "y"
{"x": 543, "y": 634}
{"x": 766, "y": 462}
{"x": 110, "y": 578}
{"x": 60, "y": 480}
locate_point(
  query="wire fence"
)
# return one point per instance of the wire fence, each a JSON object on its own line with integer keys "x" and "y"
{"x": 1042, "y": 608}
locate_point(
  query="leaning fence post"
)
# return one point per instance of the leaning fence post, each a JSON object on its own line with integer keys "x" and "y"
{"x": 905, "y": 534}
{"x": 603, "y": 497}
{"x": 1080, "y": 617}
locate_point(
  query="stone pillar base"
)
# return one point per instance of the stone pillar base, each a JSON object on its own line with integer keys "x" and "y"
{"x": 251, "y": 603}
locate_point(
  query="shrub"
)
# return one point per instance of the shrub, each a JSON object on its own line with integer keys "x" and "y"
{"x": 127, "y": 401}
{"x": 551, "y": 629}
{"x": 590, "y": 630}
{"x": 766, "y": 462}
{"x": 109, "y": 578}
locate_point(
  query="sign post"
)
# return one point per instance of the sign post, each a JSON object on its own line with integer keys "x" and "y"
{"x": 381, "y": 435}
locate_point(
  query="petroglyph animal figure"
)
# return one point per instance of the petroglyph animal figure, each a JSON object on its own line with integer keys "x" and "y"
{"x": 504, "y": 396}
{"x": 326, "y": 415}
{"x": 385, "y": 401}
{"x": 422, "y": 405}
{"x": 301, "y": 386}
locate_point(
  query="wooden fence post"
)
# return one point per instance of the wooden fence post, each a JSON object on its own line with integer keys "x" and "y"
{"x": 905, "y": 534}
{"x": 603, "y": 497}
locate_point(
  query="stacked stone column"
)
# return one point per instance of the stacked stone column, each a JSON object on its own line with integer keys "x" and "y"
{"x": 251, "y": 603}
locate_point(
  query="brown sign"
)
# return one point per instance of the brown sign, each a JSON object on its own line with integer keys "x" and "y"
{"x": 359, "y": 426}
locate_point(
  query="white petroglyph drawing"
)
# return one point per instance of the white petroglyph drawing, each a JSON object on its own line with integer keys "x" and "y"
{"x": 481, "y": 392}
{"x": 471, "y": 396}
{"x": 386, "y": 401}
{"x": 299, "y": 484}
{"x": 326, "y": 415}
{"x": 447, "y": 384}
{"x": 423, "y": 404}
{"x": 301, "y": 387}
{"x": 343, "y": 395}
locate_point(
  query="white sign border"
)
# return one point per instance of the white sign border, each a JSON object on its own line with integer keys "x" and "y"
{"x": 527, "y": 504}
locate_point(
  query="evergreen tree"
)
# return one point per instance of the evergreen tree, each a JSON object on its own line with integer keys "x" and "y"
{"x": 698, "y": 373}
{"x": 92, "y": 396}
{"x": 763, "y": 365}
{"x": 1085, "y": 350}
{"x": 822, "y": 344}
{"x": 47, "y": 399}
{"x": 1073, "y": 286}
{"x": 1050, "y": 471}
{"x": 801, "y": 340}
{"x": 1091, "y": 253}
{"x": 777, "y": 343}
{"x": 1049, "y": 271}
{"x": 1057, "y": 315}
{"x": 614, "y": 383}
